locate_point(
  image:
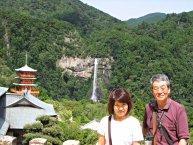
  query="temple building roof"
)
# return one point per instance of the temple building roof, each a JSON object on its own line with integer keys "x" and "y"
{"x": 3, "y": 127}
{"x": 22, "y": 109}
{"x": 3, "y": 124}
{"x": 3, "y": 90}
{"x": 26, "y": 68}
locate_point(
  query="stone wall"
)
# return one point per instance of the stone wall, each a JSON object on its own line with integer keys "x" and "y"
{"x": 8, "y": 140}
{"x": 71, "y": 142}
{"x": 38, "y": 141}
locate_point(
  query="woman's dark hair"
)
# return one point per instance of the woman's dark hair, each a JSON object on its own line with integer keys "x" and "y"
{"x": 121, "y": 95}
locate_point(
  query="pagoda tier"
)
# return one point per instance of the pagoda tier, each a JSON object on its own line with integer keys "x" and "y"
{"x": 26, "y": 77}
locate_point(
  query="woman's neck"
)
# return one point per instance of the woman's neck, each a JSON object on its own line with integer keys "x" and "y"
{"x": 117, "y": 118}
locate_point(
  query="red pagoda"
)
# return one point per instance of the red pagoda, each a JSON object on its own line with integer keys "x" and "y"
{"x": 26, "y": 77}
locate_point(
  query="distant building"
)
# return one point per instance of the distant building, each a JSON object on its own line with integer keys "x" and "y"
{"x": 21, "y": 107}
{"x": 4, "y": 125}
{"x": 93, "y": 125}
{"x": 26, "y": 76}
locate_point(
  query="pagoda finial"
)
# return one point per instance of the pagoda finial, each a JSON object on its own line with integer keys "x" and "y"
{"x": 26, "y": 58}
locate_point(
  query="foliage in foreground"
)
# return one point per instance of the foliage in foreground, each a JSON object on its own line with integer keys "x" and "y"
{"x": 57, "y": 132}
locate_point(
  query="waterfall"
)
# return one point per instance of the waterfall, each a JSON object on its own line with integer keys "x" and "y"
{"x": 94, "y": 93}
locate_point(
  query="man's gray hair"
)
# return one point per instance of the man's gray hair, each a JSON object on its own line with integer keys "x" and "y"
{"x": 160, "y": 77}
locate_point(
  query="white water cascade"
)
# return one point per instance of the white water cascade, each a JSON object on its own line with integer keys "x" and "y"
{"x": 94, "y": 93}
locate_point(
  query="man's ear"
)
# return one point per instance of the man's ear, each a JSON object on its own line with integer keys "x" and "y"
{"x": 169, "y": 90}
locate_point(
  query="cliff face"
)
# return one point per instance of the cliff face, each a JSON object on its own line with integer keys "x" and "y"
{"x": 84, "y": 67}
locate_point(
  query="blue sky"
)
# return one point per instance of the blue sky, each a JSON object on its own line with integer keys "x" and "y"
{"x": 126, "y": 9}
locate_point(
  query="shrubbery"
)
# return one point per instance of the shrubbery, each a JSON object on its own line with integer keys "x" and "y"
{"x": 57, "y": 132}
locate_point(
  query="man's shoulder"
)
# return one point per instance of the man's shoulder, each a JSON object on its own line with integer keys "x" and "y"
{"x": 176, "y": 104}
{"x": 176, "y": 108}
{"x": 151, "y": 105}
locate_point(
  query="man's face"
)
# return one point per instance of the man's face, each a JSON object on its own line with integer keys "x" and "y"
{"x": 160, "y": 90}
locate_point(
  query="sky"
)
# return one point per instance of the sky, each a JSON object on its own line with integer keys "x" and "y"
{"x": 127, "y": 9}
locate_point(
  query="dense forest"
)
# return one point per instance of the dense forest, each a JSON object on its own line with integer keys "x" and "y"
{"x": 149, "y": 18}
{"x": 39, "y": 28}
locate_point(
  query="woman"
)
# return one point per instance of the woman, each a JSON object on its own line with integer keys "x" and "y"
{"x": 125, "y": 129}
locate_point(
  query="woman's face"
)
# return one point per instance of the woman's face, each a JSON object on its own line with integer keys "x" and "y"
{"x": 120, "y": 110}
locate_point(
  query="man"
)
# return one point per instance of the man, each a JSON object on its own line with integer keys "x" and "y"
{"x": 171, "y": 124}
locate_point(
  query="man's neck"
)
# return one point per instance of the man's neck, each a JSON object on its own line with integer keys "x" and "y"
{"x": 162, "y": 104}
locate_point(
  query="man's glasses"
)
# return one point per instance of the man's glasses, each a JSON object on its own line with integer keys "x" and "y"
{"x": 162, "y": 88}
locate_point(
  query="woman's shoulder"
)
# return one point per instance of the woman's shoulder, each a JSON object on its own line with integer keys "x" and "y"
{"x": 133, "y": 119}
{"x": 105, "y": 118}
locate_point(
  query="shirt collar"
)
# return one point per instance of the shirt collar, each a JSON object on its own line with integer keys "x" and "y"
{"x": 167, "y": 106}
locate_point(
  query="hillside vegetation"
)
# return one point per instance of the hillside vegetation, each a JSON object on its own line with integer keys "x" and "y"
{"x": 40, "y": 27}
{"x": 149, "y": 18}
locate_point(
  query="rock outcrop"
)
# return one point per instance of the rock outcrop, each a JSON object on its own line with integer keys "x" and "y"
{"x": 84, "y": 67}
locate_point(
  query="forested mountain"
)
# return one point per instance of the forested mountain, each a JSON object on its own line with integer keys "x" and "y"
{"x": 40, "y": 28}
{"x": 149, "y": 18}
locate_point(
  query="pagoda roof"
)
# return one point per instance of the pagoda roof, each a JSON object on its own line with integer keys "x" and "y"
{"x": 33, "y": 85}
{"x": 24, "y": 78}
{"x": 26, "y": 68}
